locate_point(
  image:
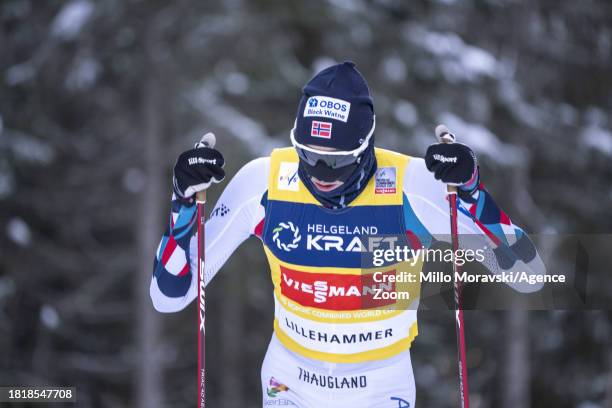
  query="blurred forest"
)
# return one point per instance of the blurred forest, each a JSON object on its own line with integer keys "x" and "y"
{"x": 98, "y": 97}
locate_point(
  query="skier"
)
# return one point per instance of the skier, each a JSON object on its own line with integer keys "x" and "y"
{"x": 311, "y": 205}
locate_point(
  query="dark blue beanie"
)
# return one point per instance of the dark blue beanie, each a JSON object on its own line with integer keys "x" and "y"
{"x": 336, "y": 109}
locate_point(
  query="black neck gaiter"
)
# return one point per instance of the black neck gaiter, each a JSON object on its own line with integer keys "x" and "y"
{"x": 352, "y": 187}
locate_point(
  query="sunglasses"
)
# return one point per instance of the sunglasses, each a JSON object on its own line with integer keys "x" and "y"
{"x": 334, "y": 158}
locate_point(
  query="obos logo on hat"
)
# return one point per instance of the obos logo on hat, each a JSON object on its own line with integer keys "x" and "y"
{"x": 326, "y": 107}
{"x": 336, "y": 109}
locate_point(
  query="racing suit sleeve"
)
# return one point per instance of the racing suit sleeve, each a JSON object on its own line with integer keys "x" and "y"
{"x": 481, "y": 224}
{"x": 234, "y": 218}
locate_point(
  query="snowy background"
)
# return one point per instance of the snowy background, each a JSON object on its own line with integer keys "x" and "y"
{"x": 97, "y": 98}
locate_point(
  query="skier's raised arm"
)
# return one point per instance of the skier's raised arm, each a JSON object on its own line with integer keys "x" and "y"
{"x": 481, "y": 222}
{"x": 234, "y": 218}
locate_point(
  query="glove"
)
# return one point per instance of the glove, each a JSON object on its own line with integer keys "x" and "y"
{"x": 452, "y": 163}
{"x": 196, "y": 169}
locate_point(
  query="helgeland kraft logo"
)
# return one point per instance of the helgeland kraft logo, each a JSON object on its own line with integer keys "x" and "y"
{"x": 286, "y": 236}
{"x": 338, "y": 238}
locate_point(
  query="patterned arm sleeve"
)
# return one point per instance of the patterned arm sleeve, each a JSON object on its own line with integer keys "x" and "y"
{"x": 171, "y": 268}
{"x": 512, "y": 249}
{"x": 233, "y": 219}
{"x": 481, "y": 224}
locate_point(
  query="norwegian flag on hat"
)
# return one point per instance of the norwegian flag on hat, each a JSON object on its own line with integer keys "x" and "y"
{"x": 321, "y": 129}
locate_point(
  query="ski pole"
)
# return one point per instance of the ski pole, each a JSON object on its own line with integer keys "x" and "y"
{"x": 445, "y": 136}
{"x": 208, "y": 140}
